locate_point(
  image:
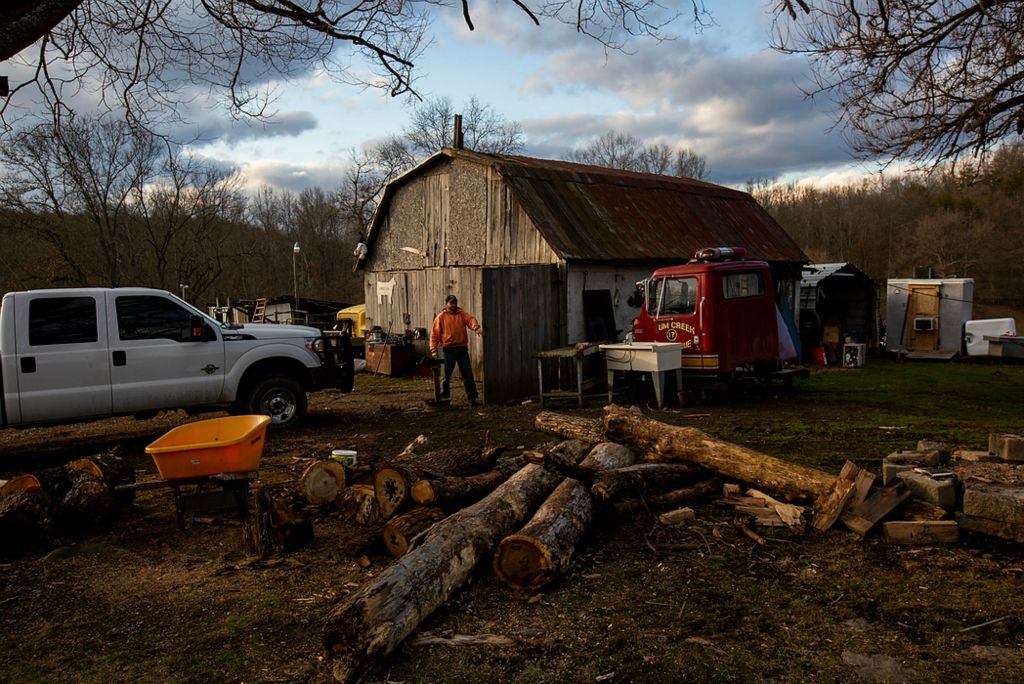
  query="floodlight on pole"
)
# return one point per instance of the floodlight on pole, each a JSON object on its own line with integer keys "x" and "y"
{"x": 183, "y": 287}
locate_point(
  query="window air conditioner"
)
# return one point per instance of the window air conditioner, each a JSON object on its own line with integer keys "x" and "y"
{"x": 925, "y": 324}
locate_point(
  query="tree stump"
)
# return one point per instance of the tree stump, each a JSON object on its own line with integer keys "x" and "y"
{"x": 276, "y": 522}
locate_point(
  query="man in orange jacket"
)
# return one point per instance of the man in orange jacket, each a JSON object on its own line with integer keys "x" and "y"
{"x": 449, "y": 334}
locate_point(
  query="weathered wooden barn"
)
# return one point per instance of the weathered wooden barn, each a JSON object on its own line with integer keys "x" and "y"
{"x": 545, "y": 253}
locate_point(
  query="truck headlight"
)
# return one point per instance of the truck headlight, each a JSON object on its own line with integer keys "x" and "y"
{"x": 315, "y": 344}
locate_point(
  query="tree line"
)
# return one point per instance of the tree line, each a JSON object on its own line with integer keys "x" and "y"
{"x": 960, "y": 220}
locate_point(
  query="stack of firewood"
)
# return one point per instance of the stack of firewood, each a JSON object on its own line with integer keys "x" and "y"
{"x": 529, "y": 526}
{"x": 51, "y": 506}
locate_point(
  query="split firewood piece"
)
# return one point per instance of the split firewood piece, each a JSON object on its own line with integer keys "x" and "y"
{"x": 322, "y": 481}
{"x": 372, "y": 621}
{"x": 677, "y": 517}
{"x": 790, "y": 514}
{"x": 880, "y": 504}
{"x": 587, "y": 430}
{"x": 400, "y": 530}
{"x": 455, "y": 488}
{"x": 830, "y": 504}
{"x": 541, "y": 551}
{"x": 276, "y": 521}
{"x": 669, "y": 499}
{"x": 921, "y": 532}
{"x": 86, "y": 466}
{"x": 653, "y": 478}
{"x": 661, "y": 442}
{"x": 359, "y": 503}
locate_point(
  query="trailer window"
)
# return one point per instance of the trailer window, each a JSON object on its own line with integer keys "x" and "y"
{"x": 739, "y": 285}
{"x": 62, "y": 320}
{"x": 674, "y": 296}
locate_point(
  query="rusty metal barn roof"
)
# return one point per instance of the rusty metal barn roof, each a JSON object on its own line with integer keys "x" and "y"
{"x": 591, "y": 213}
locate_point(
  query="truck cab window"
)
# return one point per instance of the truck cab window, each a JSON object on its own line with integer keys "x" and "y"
{"x": 738, "y": 285}
{"x": 62, "y": 320}
{"x": 674, "y": 296}
{"x": 150, "y": 318}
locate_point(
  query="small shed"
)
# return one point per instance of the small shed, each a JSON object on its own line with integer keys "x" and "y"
{"x": 545, "y": 253}
{"x": 837, "y": 301}
{"x": 926, "y": 316}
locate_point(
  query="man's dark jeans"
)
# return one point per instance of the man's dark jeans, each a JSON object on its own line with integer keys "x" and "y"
{"x": 460, "y": 356}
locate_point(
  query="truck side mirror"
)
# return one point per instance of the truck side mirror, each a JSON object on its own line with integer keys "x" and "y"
{"x": 197, "y": 329}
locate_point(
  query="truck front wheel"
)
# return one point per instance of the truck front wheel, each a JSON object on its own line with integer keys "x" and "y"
{"x": 280, "y": 397}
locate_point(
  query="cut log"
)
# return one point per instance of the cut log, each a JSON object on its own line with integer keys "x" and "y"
{"x": 454, "y": 488}
{"x": 276, "y": 522}
{"x": 358, "y": 503}
{"x": 660, "y": 442}
{"x": 643, "y": 478}
{"x": 362, "y": 540}
{"x": 25, "y": 523}
{"x": 373, "y": 620}
{"x": 20, "y": 483}
{"x": 322, "y": 481}
{"x": 88, "y": 506}
{"x": 393, "y": 481}
{"x": 587, "y": 430}
{"x": 542, "y": 550}
{"x": 676, "y": 497}
{"x": 830, "y": 504}
{"x": 399, "y": 532}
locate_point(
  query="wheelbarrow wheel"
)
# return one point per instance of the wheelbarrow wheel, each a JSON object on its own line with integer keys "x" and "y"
{"x": 280, "y": 397}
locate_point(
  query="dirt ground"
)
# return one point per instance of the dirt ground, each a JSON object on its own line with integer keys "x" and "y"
{"x": 146, "y": 602}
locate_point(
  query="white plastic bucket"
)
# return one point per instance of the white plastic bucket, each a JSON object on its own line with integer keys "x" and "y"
{"x": 345, "y": 457}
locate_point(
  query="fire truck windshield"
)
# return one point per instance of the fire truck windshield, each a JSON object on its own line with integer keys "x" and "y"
{"x": 673, "y": 296}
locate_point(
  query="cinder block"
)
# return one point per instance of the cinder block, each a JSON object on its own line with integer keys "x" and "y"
{"x": 890, "y": 471}
{"x": 900, "y": 461}
{"x": 942, "y": 448}
{"x": 941, "y": 492}
{"x": 995, "y": 502}
{"x": 928, "y": 458}
{"x": 977, "y": 457}
{"x": 1008, "y": 447}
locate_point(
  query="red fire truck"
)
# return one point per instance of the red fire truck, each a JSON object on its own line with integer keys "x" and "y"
{"x": 720, "y": 307}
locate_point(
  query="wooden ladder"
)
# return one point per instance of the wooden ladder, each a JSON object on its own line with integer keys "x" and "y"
{"x": 259, "y": 312}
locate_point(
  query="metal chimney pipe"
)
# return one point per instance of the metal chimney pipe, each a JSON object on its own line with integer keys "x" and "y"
{"x": 457, "y": 133}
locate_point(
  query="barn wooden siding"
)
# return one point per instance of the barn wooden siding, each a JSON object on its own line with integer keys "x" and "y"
{"x": 518, "y": 306}
{"x": 459, "y": 213}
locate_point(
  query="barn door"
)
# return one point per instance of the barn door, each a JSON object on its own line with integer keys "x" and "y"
{"x": 922, "y": 327}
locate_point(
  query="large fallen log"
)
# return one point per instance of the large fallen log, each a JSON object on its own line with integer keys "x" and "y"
{"x": 372, "y": 621}
{"x": 661, "y": 442}
{"x": 541, "y": 551}
{"x": 455, "y": 488}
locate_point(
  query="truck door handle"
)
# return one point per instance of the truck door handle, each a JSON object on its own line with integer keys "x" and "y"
{"x": 28, "y": 364}
{"x": 120, "y": 358}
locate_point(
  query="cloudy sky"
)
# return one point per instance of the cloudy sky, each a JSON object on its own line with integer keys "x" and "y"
{"x": 720, "y": 92}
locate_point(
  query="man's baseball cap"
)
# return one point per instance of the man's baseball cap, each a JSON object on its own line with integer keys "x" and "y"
{"x": 451, "y": 298}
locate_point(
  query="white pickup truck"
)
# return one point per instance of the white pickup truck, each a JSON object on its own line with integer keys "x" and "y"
{"x": 76, "y": 354}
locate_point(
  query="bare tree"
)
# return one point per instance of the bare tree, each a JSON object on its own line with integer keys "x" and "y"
{"x": 483, "y": 128}
{"x": 924, "y": 80}
{"x": 116, "y": 205}
{"x": 140, "y": 56}
{"x": 627, "y": 152}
